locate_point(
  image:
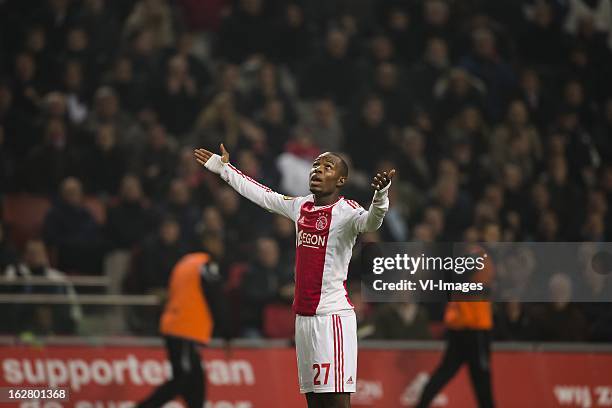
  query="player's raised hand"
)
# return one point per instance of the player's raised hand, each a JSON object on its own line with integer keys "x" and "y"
{"x": 380, "y": 181}
{"x": 202, "y": 155}
{"x": 224, "y": 154}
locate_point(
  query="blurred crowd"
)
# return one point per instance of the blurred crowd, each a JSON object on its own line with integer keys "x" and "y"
{"x": 493, "y": 112}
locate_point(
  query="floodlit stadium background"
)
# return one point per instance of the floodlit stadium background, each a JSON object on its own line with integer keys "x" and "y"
{"x": 491, "y": 111}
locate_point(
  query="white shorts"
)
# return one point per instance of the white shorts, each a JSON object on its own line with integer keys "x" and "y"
{"x": 326, "y": 348}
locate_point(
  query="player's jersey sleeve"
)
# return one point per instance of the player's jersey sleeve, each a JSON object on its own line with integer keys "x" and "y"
{"x": 372, "y": 219}
{"x": 258, "y": 193}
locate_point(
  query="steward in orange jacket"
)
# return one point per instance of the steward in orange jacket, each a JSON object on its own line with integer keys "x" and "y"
{"x": 473, "y": 315}
{"x": 195, "y": 295}
{"x": 469, "y": 325}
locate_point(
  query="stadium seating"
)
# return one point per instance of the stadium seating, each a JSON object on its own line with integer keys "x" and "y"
{"x": 24, "y": 215}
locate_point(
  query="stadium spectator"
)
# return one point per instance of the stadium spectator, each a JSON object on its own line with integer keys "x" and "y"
{"x": 456, "y": 91}
{"x": 107, "y": 110}
{"x": 326, "y": 127}
{"x": 333, "y": 72}
{"x": 413, "y": 163}
{"x": 130, "y": 219}
{"x": 177, "y": 98}
{"x": 517, "y": 141}
{"x": 402, "y": 29}
{"x": 542, "y": 42}
{"x": 72, "y": 233}
{"x": 246, "y": 34}
{"x": 294, "y": 39}
{"x": 370, "y": 123}
{"x": 405, "y": 320}
{"x": 105, "y": 162}
{"x": 156, "y": 161}
{"x": 154, "y": 260}
{"x": 155, "y": 15}
{"x": 19, "y": 132}
{"x": 76, "y": 91}
{"x": 512, "y": 322}
{"x": 261, "y": 284}
{"x": 434, "y": 65}
{"x": 131, "y": 89}
{"x": 532, "y": 92}
{"x": 41, "y": 319}
{"x": 559, "y": 320}
{"x": 275, "y": 124}
{"x": 179, "y": 206}
{"x": 486, "y": 63}
{"x": 52, "y": 161}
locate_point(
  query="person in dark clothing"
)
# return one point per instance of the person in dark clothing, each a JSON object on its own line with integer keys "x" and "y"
{"x": 487, "y": 64}
{"x": 333, "y": 72}
{"x": 261, "y": 284}
{"x": 388, "y": 86}
{"x": 27, "y": 89}
{"x": 106, "y": 162}
{"x": 51, "y": 161}
{"x": 73, "y": 232}
{"x": 370, "y": 125}
{"x": 153, "y": 263}
{"x": 132, "y": 89}
{"x": 274, "y": 123}
{"x": 559, "y": 320}
{"x": 157, "y": 162}
{"x": 402, "y": 32}
{"x": 130, "y": 219}
{"x": 426, "y": 73}
{"x": 294, "y": 39}
{"x": 245, "y": 32}
{"x": 543, "y": 43}
{"x": 180, "y": 206}
{"x": 19, "y": 131}
{"x": 401, "y": 321}
{"x": 177, "y": 97}
{"x": 457, "y": 91}
{"x": 512, "y": 322}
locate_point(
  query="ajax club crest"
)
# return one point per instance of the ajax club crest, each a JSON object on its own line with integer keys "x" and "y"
{"x": 321, "y": 223}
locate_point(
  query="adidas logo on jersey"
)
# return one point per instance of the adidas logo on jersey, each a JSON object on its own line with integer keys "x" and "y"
{"x": 350, "y": 380}
{"x": 310, "y": 240}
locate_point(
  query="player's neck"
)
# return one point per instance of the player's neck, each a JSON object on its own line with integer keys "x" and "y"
{"x": 327, "y": 199}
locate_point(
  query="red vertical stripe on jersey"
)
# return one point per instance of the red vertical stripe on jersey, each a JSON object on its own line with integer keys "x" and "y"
{"x": 313, "y": 235}
{"x": 341, "y": 355}
{"x": 335, "y": 354}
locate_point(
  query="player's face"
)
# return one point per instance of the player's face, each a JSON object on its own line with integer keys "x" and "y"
{"x": 325, "y": 175}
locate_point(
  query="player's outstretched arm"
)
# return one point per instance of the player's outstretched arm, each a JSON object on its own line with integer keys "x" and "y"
{"x": 245, "y": 185}
{"x": 372, "y": 219}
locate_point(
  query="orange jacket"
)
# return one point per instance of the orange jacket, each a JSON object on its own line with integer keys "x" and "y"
{"x": 472, "y": 315}
{"x": 187, "y": 314}
{"x": 468, "y": 316}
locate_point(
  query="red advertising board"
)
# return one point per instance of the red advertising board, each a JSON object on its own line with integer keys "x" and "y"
{"x": 115, "y": 377}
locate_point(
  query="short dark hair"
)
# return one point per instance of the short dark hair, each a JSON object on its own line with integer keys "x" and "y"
{"x": 344, "y": 169}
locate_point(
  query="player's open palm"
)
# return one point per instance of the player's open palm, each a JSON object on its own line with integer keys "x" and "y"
{"x": 202, "y": 155}
{"x": 381, "y": 181}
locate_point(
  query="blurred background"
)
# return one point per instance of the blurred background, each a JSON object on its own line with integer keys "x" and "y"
{"x": 493, "y": 112}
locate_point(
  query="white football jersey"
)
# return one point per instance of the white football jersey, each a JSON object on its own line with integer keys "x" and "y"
{"x": 325, "y": 236}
